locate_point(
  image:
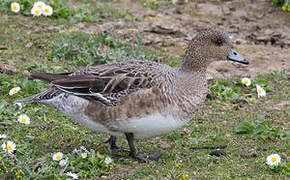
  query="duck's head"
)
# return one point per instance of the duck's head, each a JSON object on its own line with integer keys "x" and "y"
{"x": 209, "y": 46}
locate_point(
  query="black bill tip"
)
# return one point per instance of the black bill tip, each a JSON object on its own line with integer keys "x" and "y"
{"x": 234, "y": 56}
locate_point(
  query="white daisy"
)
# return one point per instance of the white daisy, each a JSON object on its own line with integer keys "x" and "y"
{"x": 19, "y": 105}
{"x": 261, "y": 92}
{"x": 273, "y": 160}
{"x": 15, "y": 7}
{"x": 9, "y": 147}
{"x": 246, "y": 81}
{"x": 73, "y": 175}
{"x": 24, "y": 119}
{"x": 14, "y": 90}
{"x": 36, "y": 11}
{"x": 62, "y": 162}
{"x": 39, "y": 4}
{"x": 84, "y": 155}
{"x": 47, "y": 10}
{"x": 57, "y": 156}
{"x": 3, "y": 136}
{"x": 108, "y": 160}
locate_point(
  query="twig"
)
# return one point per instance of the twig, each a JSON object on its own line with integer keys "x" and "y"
{"x": 208, "y": 147}
{"x": 3, "y": 48}
{"x": 6, "y": 123}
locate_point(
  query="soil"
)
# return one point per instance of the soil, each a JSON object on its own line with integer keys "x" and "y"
{"x": 260, "y": 31}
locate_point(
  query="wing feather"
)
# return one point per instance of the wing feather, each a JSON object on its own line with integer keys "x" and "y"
{"x": 107, "y": 83}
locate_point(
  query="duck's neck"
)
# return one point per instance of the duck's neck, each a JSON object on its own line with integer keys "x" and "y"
{"x": 194, "y": 61}
{"x": 193, "y": 64}
{"x": 190, "y": 91}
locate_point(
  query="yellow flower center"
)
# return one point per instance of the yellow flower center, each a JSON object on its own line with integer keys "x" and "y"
{"x": 14, "y": 90}
{"x": 246, "y": 81}
{"x": 37, "y": 12}
{"x": 274, "y": 159}
{"x": 9, "y": 147}
{"x": 20, "y": 172}
{"x": 46, "y": 10}
{"x": 58, "y": 157}
{"x": 15, "y": 7}
{"x": 39, "y": 5}
{"x": 184, "y": 176}
{"x": 23, "y": 120}
{"x": 260, "y": 91}
{"x": 84, "y": 156}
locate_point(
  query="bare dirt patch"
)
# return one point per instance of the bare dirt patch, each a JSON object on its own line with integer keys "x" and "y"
{"x": 260, "y": 31}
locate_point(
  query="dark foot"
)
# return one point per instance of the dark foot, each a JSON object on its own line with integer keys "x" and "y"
{"x": 136, "y": 155}
{"x": 147, "y": 157}
{"x": 112, "y": 145}
{"x": 118, "y": 148}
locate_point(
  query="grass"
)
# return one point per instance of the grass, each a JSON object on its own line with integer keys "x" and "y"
{"x": 232, "y": 114}
{"x": 87, "y": 11}
{"x": 85, "y": 49}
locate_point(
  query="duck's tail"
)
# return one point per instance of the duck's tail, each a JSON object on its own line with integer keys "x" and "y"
{"x": 41, "y": 97}
{"x": 30, "y": 99}
{"x": 48, "y": 93}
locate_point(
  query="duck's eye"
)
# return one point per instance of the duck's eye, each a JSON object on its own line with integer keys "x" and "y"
{"x": 219, "y": 42}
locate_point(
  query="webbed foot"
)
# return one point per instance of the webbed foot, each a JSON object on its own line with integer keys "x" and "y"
{"x": 136, "y": 155}
{"x": 112, "y": 145}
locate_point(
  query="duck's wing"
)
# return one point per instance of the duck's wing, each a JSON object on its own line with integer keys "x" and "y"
{"x": 107, "y": 83}
{"x": 48, "y": 76}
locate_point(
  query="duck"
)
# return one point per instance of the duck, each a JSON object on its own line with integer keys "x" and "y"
{"x": 137, "y": 99}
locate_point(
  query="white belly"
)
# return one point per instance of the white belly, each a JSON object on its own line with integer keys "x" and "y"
{"x": 150, "y": 125}
{"x": 146, "y": 126}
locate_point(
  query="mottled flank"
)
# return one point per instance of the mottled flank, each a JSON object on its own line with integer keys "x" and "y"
{"x": 140, "y": 97}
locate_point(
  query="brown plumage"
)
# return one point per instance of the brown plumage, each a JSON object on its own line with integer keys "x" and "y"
{"x": 138, "y": 99}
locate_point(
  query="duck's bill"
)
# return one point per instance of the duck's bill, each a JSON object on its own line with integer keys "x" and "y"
{"x": 234, "y": 56}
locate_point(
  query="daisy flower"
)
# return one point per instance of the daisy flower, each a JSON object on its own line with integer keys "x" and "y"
{"x": 14, "y": 90}
{"x": 24, "y": 119}
{"x": 273, "y": 160}
{"x": 57, "y": 156}
{"x": 15, "y": 7}
{"x": 246, "y": 81}
{"x": 9, "y": 147}
{"x": 84, "y": 155}
{"x": 39, "y": 4}
{"x": 261, "y": 92}
{"x": 108, "y": 160}
{"x": 62, "y": 162}
{"x": 3, "y": 136}
{"x": 19, "y": 105}
{"x": 47, "y": 10}
{"x": 36, "y": 11}
{"x": 73, "y": 175}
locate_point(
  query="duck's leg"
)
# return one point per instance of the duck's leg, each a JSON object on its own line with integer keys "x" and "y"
{"x": 112, "y": 144}
{"x": 134, "y": 153}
